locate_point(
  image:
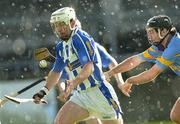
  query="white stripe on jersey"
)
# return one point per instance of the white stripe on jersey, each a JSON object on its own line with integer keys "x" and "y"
{"x": 83, "y": 45}
{"x": 72, "y": 58}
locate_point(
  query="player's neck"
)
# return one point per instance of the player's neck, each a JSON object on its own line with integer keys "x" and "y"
{"x": 166, "y": 40}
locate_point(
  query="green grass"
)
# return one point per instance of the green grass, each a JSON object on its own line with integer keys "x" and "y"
{"x": 153, "y": 122}
{"x": 159, "y": 122}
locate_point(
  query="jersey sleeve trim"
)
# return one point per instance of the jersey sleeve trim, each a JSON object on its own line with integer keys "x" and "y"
{"x": 177, "y": 54}
{"x": 164, "y": 61}
{"x": 147, "y": 55}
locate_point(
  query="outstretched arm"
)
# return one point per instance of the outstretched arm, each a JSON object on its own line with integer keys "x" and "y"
{"x": 142, "y": 78}
{"x": 124, "y": 66}
{"x": 145, "y": 76}
{"x": 109, "y": 61}
{"x": 118, "y": 77}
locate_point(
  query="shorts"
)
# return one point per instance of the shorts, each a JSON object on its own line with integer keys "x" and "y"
{"x": 100, "y": 101}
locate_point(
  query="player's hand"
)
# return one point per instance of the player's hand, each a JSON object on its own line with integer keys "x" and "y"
{"x": 121, "y": 87}
{"x": 61, "y": 97}
{"x": 69, "y": 88}
{"x": 38, "y": 96}
{"x": 126, "y": 89}
{"x": 107, "y": 76}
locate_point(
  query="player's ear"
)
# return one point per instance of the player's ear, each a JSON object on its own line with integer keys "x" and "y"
{"x": 72, "y": 22}
{"x": 164, "y": 31}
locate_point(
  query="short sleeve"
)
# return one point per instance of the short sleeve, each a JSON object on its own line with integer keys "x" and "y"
{"x": 167, "y": 58}
{"x": 106, "y": 58}
{"x": 84, "y": 48}
{"x": 59, "y": 64}
{"x": 149, "y": 55}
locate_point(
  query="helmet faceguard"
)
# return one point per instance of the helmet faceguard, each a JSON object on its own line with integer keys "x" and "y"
{"x": 159, "y": 23}
{"x": 64, "y": 15}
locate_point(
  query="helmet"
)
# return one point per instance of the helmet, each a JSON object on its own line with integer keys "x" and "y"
{"x": 63, "y": 15}
{"x": 160, "y": 21}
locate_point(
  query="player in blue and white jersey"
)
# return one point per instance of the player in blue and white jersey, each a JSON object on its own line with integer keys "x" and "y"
{"x": 107, "y": 62}
{"x": 164, "y": 52}
{"x": 79, "y": 56}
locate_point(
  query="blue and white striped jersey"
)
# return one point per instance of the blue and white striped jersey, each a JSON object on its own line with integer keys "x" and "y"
{"x": 73, "y": 54}
{"x": 106, "y": 60}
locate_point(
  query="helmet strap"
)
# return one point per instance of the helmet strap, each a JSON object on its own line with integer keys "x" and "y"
{"x": 161, "y": 37}
{"x": 158, "y": 44}
{"x": 159, "y": 33}
{"x": 72, "y": 28}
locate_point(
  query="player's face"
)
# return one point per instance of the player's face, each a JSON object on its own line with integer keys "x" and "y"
{"x": 62, "y": 30}
{"x": 152, "y": 35}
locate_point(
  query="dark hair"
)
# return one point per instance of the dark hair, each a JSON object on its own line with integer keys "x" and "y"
{"x": 173, "y": 31}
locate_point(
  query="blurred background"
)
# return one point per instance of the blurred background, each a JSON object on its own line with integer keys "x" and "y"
{"x": 116, "y": 24}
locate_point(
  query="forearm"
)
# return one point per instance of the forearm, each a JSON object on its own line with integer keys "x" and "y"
{"x": 85, "y": 73}
{"x": 52, "y": 79}
{"x": 126, "y": 65}
{"x": 145, "y": 76}
{"x": 118, "y": 76}
{"x": 139, "y": 79}
{"x": 142, "y": 78}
